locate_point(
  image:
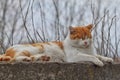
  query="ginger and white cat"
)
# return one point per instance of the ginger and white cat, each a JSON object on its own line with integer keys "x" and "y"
{"x": 76, "y": 47}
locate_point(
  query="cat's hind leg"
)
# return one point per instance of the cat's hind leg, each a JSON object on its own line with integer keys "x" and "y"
{"x": 40, "y": 57}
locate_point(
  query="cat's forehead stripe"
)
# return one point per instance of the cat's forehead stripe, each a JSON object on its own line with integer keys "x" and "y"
{"x": 80, "y": 32}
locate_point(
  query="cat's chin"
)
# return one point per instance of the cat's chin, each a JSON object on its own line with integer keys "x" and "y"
{"x": 85, "y": 46}
{"x": 81, "y": 46}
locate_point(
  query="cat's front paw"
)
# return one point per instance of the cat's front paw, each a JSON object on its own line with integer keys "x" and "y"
{"x": 109, "y": 60}
{"x": 106, "y": 59}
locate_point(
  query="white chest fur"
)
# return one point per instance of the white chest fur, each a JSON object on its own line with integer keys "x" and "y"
{"x": 71, "y": 51}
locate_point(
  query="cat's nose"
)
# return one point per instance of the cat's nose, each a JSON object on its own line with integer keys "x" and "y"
{"x": 85, "y": 43}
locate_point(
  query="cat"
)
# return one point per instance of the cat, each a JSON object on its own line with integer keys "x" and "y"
{"x": 48, "y": 51}
{"x": 76, "y": 47}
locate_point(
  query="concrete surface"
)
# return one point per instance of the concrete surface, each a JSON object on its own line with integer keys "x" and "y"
{"x": 58, "y": 71}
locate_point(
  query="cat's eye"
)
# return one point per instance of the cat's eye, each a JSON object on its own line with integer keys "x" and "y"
{"x": 83, "y": 38}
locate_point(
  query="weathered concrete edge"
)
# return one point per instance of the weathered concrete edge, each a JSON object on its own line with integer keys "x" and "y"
{"x": 58, "y": 71}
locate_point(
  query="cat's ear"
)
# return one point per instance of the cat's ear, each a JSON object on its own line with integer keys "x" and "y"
{"x": 89, "y": 26}
{"x": 71, "y": 29}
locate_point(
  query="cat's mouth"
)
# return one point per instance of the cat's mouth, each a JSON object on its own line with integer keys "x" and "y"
{"x": 83, "y": 46}
{"x": 86, "y": 46}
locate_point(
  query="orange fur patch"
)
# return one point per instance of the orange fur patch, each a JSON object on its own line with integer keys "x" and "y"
{"x": 80, "y": 32}
{"x": 26, "y": 53}
{"x": 10, "y": 52}
{"x": 60, "y": 44}
{"x": 39, "y": 45}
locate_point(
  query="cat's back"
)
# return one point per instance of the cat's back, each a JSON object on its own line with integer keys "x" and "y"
{"x": 22, "y": 49}
{"x": 35, "y": 48}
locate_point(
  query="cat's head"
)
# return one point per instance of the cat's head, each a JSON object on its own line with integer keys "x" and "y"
{"x": 80, "y": 36}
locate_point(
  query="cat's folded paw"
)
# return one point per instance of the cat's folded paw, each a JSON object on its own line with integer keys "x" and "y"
{"x": 98, "y": 62}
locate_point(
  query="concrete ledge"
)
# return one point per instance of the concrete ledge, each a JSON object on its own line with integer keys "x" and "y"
{"x": 58, "y": 71}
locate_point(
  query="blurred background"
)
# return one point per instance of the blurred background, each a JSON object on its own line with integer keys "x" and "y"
{"x": 32, "y": 21}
